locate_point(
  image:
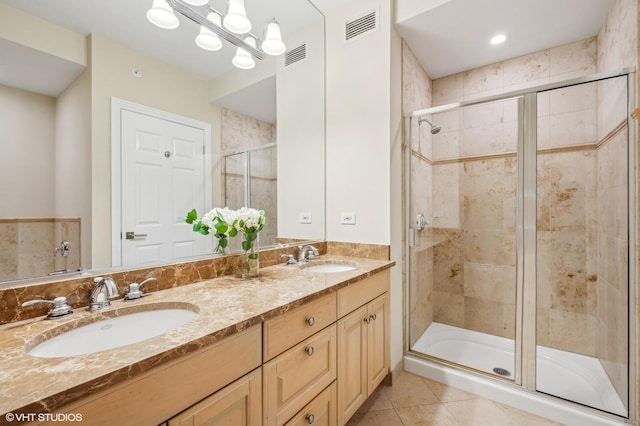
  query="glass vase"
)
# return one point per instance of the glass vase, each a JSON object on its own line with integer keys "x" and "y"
{"x": 219, "y": 248}
{"x": 250, "y": 258}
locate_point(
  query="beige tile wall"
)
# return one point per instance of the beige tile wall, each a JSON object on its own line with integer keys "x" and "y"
{"x": 582, "y": 240}
{"x": 27, "y": 246}
{"x": 241, "y": 132}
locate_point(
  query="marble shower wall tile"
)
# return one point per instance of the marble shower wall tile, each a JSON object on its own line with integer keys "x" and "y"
{"x": 239, "y": 132}
{"x": 545, "y": 66}
{"x": 27, "y": 246}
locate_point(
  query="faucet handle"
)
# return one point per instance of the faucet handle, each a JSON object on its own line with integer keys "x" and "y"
{"x": 291, "y": 260}
{"x": 133, "y": 289}
{"x": 60, "y": 306}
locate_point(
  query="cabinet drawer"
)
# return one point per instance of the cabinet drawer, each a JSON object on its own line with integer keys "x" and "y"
{"x": 352, "y": 297}
{"x": 289, "y": 329}
{"x": 294, "y": 378}
{"x": 319, "y": 412}
{"x": 237, "y": 404}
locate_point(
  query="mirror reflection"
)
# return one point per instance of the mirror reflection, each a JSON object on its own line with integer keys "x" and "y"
{"x": 111, "y": 125}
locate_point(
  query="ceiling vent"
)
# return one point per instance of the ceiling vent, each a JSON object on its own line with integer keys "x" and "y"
{"x": 295, "y": 55}
{"x": 358, "y": 27}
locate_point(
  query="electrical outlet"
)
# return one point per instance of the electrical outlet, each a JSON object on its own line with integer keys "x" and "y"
{"x": 348, "y": 218}
{"x": 305, "y": 218}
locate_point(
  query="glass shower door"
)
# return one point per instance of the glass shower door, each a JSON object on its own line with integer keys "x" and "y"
{"x": 582, "y": 274}
{"x": 464, "y": 180}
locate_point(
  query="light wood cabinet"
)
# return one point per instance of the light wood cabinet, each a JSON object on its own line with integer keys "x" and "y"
{"x": 286, "y": 330}
{"x": 238, "y": 404}
{"x": 363, "y": 347}
{"x": 319, "y": 412}
{"x": 295, "y": 377}
{"x": 161, "y": 393}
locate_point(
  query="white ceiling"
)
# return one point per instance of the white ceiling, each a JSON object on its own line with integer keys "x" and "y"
{"x": 449, "y": 36}
{"x": 453, "y": 35}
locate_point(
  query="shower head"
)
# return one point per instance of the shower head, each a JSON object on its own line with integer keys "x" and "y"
{"x": 434, "y": 127}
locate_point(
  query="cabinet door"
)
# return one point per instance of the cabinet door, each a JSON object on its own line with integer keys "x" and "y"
{"x": 352, "y": 363}
{"x": 294, "y": 378}
{"x": 377, "y": 342}
{"x": 239, "y": 404}
{"x": 319, "y": 412}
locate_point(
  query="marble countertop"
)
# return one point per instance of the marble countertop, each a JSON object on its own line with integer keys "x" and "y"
{"x": 226, "y": 305}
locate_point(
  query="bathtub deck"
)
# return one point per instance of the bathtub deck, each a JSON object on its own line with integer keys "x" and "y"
{"x": 564, "y": 374}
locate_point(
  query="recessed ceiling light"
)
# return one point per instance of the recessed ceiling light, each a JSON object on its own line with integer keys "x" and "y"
{"x": 498, "y": 39}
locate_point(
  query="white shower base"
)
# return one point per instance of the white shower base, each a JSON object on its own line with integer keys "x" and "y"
{"x": 564, "y": 374}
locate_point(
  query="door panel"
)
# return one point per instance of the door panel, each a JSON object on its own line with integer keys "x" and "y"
{"x": 162, "y": 178}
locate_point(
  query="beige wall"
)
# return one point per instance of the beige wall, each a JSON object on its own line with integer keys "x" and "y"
{"x": 301, "y": 137}
{"x": 161, "y": 86}
{"x": 73, "y": 162}
{"x": 32, "y": 192}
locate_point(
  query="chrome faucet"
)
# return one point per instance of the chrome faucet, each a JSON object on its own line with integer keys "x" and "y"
{"x": 60, "y": 306}
{"x": 133, "y": 289}
{"x": 105, "y": 288}
{"x": 302, "y": 253}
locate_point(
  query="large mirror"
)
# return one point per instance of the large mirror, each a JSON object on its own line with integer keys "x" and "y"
{"x": 71, "y": 73}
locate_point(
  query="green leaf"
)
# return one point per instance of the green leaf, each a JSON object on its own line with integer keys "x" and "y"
{"x": 223, "y": 242}
{"x": 192, "y": 216}
{"x": 233, "y": 232}
{"x": 251, "y": 236}
{"x": 253, "y": 256}
{"x": 246, "y": 245}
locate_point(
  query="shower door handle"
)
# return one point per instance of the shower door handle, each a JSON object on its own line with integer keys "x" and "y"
{"x": 421, "y": 222}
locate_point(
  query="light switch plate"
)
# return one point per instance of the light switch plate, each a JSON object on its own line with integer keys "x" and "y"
{"x": 348, "y": 218}
{"x": 305, "y": 218}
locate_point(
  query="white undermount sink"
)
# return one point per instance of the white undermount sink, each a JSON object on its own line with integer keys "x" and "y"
{"x": 328, "y": 267}
{"x": 114, "y": 332}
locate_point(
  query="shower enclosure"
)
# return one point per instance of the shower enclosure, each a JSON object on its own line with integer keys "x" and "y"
{"x": 250, "y": 180}
{"x": 518, "y": 216}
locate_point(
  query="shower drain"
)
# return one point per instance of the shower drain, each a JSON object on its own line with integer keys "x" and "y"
{"x": 502, "y": 371}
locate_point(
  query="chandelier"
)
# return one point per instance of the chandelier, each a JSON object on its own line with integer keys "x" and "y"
{"x": 234, "y": 27}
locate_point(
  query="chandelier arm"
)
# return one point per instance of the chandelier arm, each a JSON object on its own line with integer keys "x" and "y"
{"x": 186, "y": 11}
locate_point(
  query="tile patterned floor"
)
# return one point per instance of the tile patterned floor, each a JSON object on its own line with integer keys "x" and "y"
{"x": 414, "y": 401}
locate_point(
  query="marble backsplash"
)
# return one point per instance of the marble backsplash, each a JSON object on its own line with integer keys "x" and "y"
{"x": 77, "y": 288}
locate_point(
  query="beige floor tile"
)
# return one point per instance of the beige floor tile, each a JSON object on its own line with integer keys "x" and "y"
{"x": 409, "y": 390}
{"x": 477, "y": 412}
{"x": 376, "y": 418}
{"x": 427, "y": 415}
{"x": 447, "y": 393}
{"x": 377, "y": 401}
{"x": 522, "y": 418}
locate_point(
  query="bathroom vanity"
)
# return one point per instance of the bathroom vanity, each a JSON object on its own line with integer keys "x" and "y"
{"x": 288, "y": 347}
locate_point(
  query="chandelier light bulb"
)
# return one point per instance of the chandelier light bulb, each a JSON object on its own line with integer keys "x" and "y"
{"x": 207, "y": 39}
{"x": 272, "y": 43}
{"x": 236, "y": 19}
{"x": 197, "y": 2}
{"x": 243, "y": 59}
{"x": 161, "y": 15}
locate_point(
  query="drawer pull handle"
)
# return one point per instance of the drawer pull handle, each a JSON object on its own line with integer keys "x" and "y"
{"x": 373, "y": 316}
{"x": 309, "y": 350}
{"x": 310, "y": 418}
{"x": 367, "y": 320}
{"x": 311, "y": 321}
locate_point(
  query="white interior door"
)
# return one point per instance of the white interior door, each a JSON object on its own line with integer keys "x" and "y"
{"x": 163, "y": 177}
